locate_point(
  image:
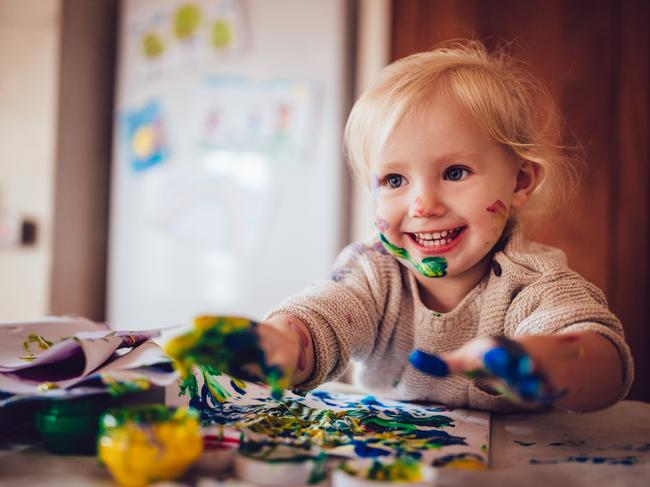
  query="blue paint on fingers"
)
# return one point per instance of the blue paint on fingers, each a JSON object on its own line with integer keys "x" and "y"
{"x": 428, "y": 363}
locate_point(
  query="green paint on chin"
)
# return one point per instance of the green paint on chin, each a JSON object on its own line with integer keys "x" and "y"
{"x": 429, "y": 267}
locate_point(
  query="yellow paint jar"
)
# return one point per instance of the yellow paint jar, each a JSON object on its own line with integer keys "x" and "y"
{"x": 149, "y": 443}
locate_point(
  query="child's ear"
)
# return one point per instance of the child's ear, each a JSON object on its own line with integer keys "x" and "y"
{"x": 528, "y": 178}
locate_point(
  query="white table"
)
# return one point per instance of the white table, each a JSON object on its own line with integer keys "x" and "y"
{"x": 607, "y": 435}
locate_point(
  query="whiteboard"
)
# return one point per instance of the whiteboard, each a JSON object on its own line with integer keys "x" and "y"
{"x": 204, "y": 227}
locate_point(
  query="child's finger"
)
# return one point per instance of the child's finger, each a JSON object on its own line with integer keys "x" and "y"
{"x": 498, "y": 357}
{"x": 466, "y": 358}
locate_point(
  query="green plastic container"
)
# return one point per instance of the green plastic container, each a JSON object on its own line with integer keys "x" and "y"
{"x": 70, "y": 426}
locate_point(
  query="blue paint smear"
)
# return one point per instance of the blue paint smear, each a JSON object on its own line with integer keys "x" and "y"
{"x": 428, "y": 363}
{"x": 364, "y": 450}
{"x": 371, "y": 401}
{"x": 626, "y": 461}
{"x": 237, "y": 388}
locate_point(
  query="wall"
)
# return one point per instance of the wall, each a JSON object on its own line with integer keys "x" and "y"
{"x": 56, "y": 89}
{"x": 29, "y": 56}
{"x": 373, "y": 53}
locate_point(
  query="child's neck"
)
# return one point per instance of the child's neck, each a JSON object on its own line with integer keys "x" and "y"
{"x": 444, "y": 294}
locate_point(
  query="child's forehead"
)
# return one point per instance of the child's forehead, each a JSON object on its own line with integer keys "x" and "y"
{"x": 442, "y": 128}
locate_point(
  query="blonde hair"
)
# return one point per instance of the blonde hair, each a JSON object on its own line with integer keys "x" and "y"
{"x": 516, "y": 110}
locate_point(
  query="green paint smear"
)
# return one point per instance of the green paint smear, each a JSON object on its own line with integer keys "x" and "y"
{"x": 429, "y": 267}
{"x": 223, "y": 344}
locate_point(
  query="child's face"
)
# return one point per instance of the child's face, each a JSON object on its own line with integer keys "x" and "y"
{"x": 443, "y": 191}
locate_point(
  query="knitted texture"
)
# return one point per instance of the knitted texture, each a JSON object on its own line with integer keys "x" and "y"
{"x": 370, "y": 311}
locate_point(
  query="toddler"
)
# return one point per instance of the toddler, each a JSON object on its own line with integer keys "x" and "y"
{"x": 449, "y": 303}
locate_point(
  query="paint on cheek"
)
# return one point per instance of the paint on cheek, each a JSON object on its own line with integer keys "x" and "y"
{"x": 429, "y": 267}
{"x": 381, "y": 224}
{"x": 499, "y": 214}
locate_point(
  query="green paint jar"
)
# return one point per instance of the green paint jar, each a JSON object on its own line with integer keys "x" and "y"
{"x": 70, "y": 426}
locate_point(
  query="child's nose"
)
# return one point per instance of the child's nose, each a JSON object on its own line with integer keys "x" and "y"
{"x": 426, "y": 206}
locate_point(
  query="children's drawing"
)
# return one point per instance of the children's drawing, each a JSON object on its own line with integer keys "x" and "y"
{"x": 170, "y": 36}
{"x": 275, "y": 118}
{"x": 144, "y": 136}
{"x": 227, "y": 27}
{"x": 344, "y": 425}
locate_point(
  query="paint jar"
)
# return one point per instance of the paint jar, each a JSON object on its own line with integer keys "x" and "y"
{"x": 282, "y": 466}
{"x": 144, "y": 444}
{"x": 70, "y": 426}
{"x": 386, "y": 473}
{"x": 219, "y": 447}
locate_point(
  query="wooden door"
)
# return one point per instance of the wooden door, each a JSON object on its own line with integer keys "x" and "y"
{"x": 594, "y": 56}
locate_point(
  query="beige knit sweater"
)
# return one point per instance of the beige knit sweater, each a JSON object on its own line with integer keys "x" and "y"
{"x": 370, "y": 311}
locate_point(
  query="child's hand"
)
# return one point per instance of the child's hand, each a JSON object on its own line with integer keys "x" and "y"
{"x": 286, "y": 342}
{"x": 575, "y": 371}
{"x": 280, "y": 347}
{"x": 521, "y": 377}
{"x": 245, "y": 349}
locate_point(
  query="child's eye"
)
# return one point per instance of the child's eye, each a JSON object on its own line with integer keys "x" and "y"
{"x": 456, "y": 173}
{"x": 394, "y": 180}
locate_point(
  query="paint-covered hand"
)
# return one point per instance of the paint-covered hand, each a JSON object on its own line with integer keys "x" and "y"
{"x": 517, "y": 374}
{"x": 232, "y": 345}
{"x": 280, "y": 347}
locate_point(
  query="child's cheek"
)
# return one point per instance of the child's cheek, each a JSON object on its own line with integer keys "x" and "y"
{"x": 374, "y": 187}
{"x": 497, "y": 214}
{"x": 381, "y": 224}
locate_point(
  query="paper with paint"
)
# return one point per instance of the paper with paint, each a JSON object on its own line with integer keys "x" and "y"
{"x": 346, "y": 425}
{"x": 45, "y": 358}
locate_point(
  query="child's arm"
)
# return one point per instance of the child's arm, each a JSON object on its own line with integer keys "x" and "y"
{"x": 286, "y": 342}
{"x": 574, "y": 371}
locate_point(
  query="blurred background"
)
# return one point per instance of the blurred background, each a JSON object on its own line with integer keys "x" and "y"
{"x": 162, "y": 159}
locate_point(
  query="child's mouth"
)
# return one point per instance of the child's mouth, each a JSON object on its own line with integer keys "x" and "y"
{"x": 437, "y": 242}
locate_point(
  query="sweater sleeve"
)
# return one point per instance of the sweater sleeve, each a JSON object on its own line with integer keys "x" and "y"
{"x": 342, "y": 313}
{"x": 568, "y": 303}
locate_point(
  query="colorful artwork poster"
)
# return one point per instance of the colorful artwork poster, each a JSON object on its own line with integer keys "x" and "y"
{"x": 144, "y": 136}
{"x": 276, "y": 118}
{"x": 346, "y": 425}
{"x": 181, "y": 33}
{"x": 228, "y": 30}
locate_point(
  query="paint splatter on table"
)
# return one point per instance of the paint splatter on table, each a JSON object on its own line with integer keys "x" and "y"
{"x": 343, "y": 425}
